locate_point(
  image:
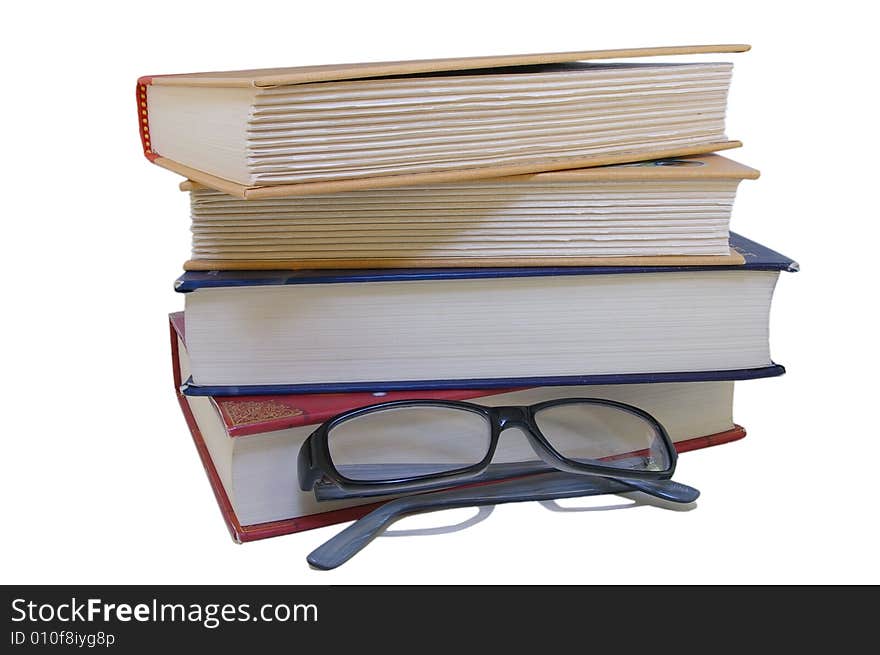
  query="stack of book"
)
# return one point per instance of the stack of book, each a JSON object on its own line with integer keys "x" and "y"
{"x": 508, "y": 229}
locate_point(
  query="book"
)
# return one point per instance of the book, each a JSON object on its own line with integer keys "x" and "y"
{"x": 256, "y": 332}
{"x": 249, "y": 445}
{"x": 669, "y": 211}
{"x": 327, "y": 129}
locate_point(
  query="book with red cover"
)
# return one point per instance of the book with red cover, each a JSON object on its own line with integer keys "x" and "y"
{"x": 244, "y": 416}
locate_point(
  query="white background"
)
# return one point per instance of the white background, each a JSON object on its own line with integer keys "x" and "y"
{"x": 100, "y": 479}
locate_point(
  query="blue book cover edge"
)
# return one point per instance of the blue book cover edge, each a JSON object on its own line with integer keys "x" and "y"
{"x": 190, "y": 389}
{"x": 758, "y": 258}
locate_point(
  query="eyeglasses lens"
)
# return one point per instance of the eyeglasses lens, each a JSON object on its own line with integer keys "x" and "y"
{"x": 404, "y": 442}
{"x": 604, "y": 435}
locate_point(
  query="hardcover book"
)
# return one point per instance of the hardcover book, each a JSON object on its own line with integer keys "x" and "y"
{"x": 256, "y": 332}
{"x": 662, "y": 212}
{"x": 248, "y": 445}
{"x": 327, "y": 129}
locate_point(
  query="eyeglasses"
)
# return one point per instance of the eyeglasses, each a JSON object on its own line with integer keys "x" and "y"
{"x": 415, "y": 445}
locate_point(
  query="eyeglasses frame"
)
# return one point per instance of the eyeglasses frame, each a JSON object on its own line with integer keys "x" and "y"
{"x": 314, "y": 461}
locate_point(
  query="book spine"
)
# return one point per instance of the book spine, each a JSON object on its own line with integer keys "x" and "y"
{"x": 143, "y": 117}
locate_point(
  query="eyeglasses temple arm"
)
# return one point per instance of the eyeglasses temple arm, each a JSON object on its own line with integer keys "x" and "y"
{"x": 665, "y": 489}
{"x": 343, "y": 546}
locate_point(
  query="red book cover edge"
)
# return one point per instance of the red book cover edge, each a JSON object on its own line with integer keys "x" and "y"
{"x": 143, "y": 117}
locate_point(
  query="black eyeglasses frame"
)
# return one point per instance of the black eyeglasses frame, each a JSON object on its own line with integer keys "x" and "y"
{"x": 314, "y": 461}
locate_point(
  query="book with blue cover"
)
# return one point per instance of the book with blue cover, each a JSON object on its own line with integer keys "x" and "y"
{"x": 264, "y": 332}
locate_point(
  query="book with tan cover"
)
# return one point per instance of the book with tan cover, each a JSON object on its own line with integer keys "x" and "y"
{"x": 329, "y": 129}
{"x": 664, "y": 213}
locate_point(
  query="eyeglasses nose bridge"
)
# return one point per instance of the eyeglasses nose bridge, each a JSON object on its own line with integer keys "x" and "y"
{"x": 513, "y": 416}
{"x": 510, "y": 416}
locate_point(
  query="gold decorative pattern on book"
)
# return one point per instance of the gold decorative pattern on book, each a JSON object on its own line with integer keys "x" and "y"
{"x": 247, "y": 412}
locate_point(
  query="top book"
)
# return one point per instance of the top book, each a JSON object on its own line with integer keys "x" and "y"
{"x": 329, "y": 129}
